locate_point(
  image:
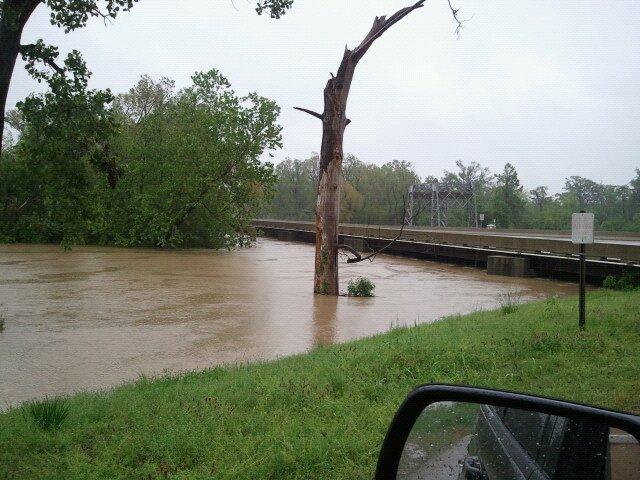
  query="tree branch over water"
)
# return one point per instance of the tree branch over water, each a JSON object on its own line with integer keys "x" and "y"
{"x": 406, "y": 219}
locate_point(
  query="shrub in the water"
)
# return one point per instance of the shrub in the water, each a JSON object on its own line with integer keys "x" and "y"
{"x": 360, "y": 287}
{"x": 50, "y": 413}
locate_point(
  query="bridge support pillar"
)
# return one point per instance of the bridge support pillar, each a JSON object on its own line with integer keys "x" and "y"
{"x": 286, "y": 235}
{"x": 508, "y": 266}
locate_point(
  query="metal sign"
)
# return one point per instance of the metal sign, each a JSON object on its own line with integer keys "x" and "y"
{"x": 482, "y": 217}
{"x": 582, "y": 228}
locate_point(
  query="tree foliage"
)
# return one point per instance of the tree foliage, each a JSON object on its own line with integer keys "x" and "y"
{"x": 189, "y": 170}
{"x": 192, "y": 163}
{"x": 276, "y": 8}
{"x": 70, "y": 15}
{"x": 377, "y": 192}
{"x": 63, "y": 152}
{"x": 508, "y": 198}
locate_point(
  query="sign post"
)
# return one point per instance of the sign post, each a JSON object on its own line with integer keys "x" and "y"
{"x": 482, "y": 220}
{"x": 582, "y": 233}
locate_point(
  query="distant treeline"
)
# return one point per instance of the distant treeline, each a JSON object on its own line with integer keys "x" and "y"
{"x": 375, "y": 194}
{"x": 152, "y": 167}
{"x": 165, "y": 168}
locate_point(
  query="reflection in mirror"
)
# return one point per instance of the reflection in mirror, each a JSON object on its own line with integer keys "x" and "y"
{"x": 466, "y": 441}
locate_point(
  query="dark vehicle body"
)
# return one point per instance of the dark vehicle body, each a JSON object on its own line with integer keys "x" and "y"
{"x": 511, "y": 443}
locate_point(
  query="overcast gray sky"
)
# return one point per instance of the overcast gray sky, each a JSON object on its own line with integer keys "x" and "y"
{"x": 552, "y": 87}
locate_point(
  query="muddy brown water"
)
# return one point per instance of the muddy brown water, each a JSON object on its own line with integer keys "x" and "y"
{"x": 96, "y": 316}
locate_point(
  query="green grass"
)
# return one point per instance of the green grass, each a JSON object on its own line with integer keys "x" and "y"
{"x": 49, "y": 413}
{"x": 324, "y": 414}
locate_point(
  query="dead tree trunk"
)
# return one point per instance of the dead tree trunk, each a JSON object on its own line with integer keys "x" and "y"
{"x": 334, "y": 122}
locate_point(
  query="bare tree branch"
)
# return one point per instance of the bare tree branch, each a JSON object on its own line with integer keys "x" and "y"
{"x": 56, "y": 67}
{"x": 381, "y": 25}
{"x": 454, "y": 12}
{"x": 357, "y": 257}
{"x": 310, "y": 112}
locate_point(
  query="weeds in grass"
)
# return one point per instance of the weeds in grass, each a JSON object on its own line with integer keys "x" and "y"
{"x": 509, "y": 302}
{"x": 543, "y": 342}
{"x": 336, "y": 384}
{"x": 49, "y": 414}
{"x": 551, "y": 308}
{"x": 360, "y": 287}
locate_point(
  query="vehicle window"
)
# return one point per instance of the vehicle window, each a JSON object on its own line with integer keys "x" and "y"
{"x": 551, "y": 443}
{"x": 500, "y": 411}
{"x": 573, "y": 447}
{"x": 527, "y": 428}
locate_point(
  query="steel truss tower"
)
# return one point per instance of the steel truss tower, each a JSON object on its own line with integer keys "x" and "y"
{"x": 439, "y": 200}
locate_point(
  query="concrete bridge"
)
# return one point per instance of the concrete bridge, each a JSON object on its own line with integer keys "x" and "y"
{"x": 547, "y": 253}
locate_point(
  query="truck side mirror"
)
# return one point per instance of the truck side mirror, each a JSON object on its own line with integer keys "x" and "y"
{"x": 465, "y": 433}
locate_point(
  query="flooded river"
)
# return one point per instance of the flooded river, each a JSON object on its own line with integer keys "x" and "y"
{"x": 94, "y": 317}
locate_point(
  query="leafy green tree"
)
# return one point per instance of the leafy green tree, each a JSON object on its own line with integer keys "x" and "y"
{"x": 369, "y": 193}
{"x": 145, "y": 98}
{"x": 635, "y": 186}
{"x": 184, "y": 171}
{"x": 635, "y": 200}
{"x": 538, "y": 201}
{"x": 508, "y": 198}
{"x": 295, "y": 197}
{"x": 586, "y": 193}
{"x": 68, "y": 15}
{"x": 384, "y": 189}
{"x": 373, "y": 194}
{"x": 540, "y": 197}
{"x": 192, "y": 171}
{"x": 611, "y": 211}
{"x": 64, "y": 150}
{"x": 351, "y": 202}
{"x": 398, "y": 177}
{"x": 473, "y": 179}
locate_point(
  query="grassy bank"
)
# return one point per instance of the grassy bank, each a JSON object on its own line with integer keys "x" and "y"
{"x": 323, "y": 415}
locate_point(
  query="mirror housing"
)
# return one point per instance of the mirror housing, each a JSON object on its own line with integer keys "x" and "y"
{"x": 422, "y": 397}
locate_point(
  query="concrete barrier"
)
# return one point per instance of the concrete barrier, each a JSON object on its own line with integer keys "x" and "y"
{"x": 626, "y": 251}
{"x": 466, "y": 249}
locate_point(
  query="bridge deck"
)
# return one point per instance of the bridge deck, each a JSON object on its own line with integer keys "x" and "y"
{"x": 549, "y": 252}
